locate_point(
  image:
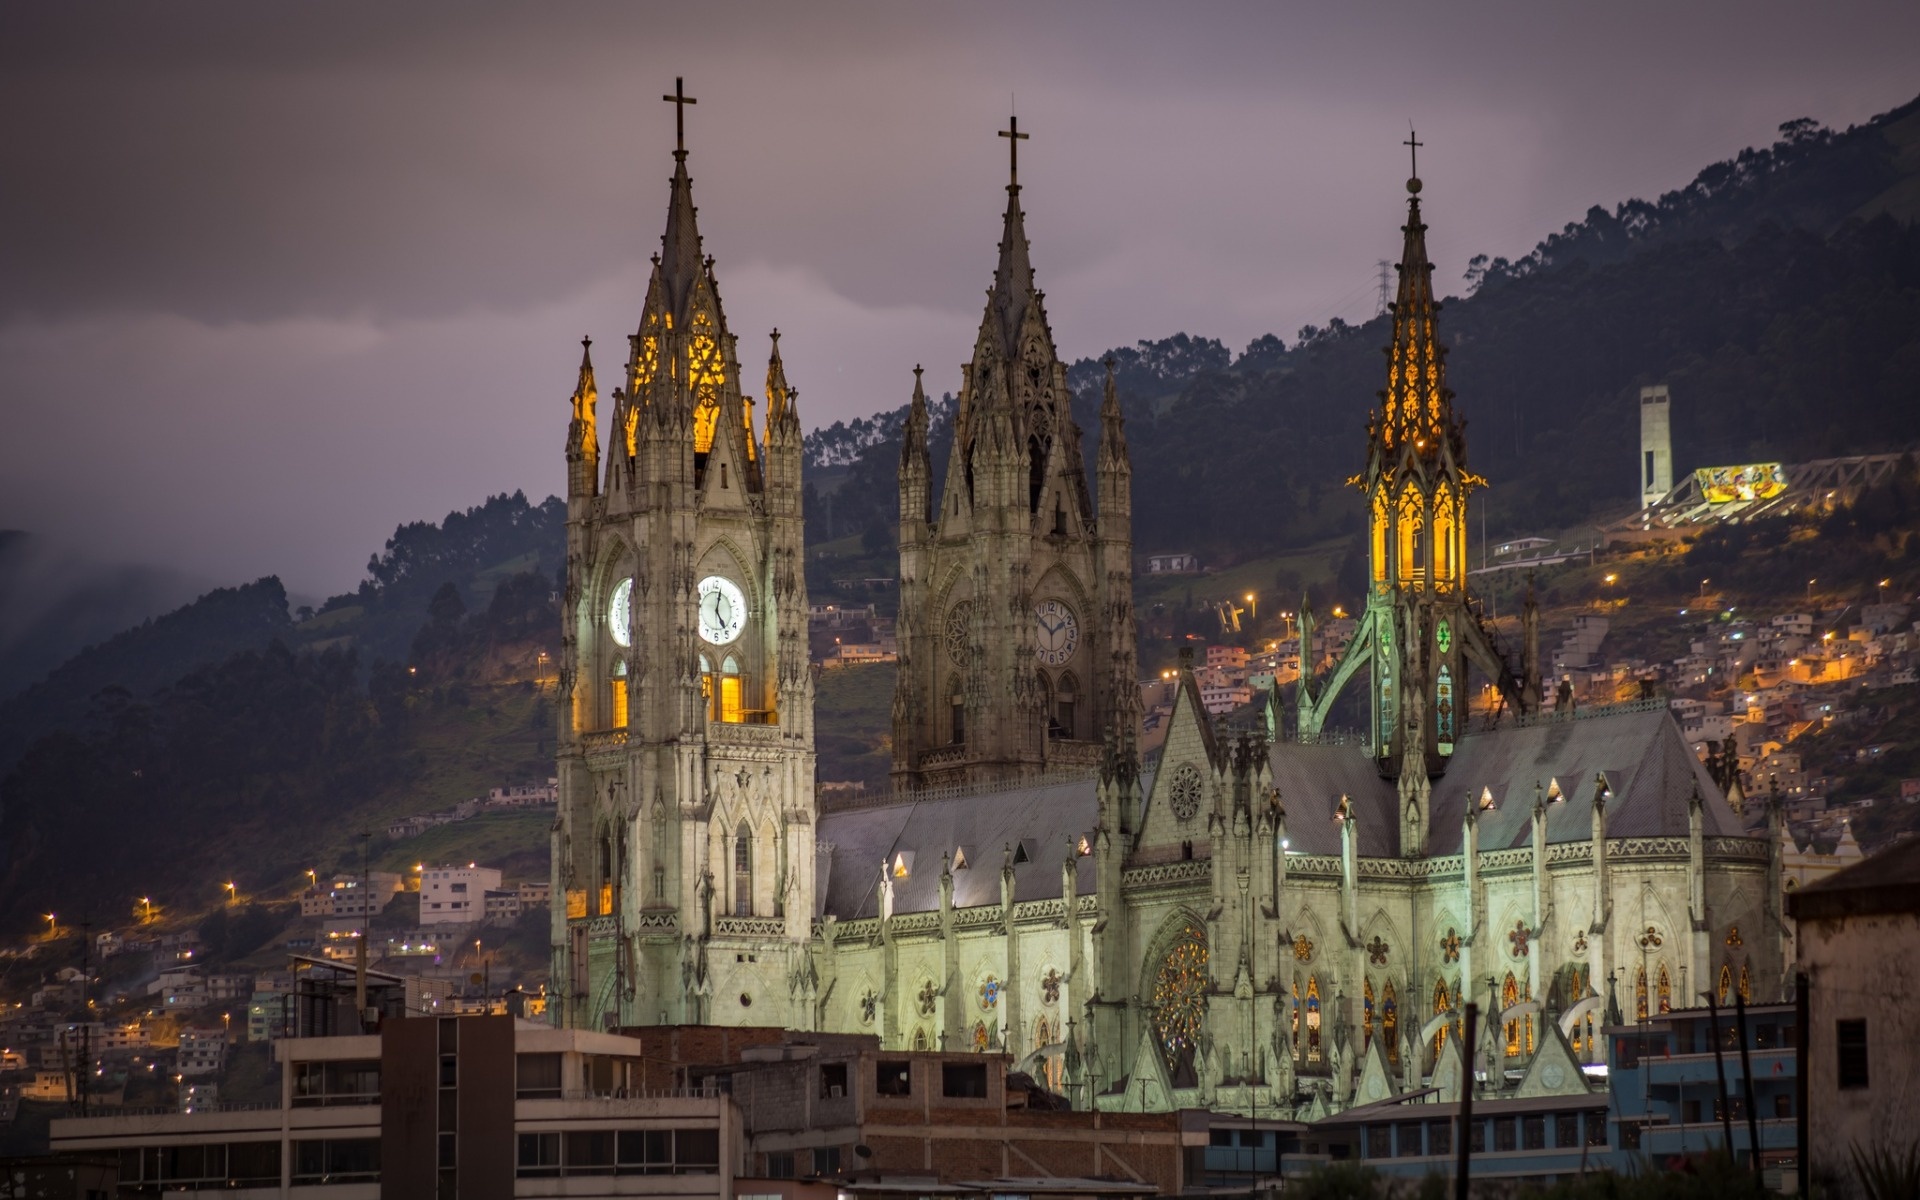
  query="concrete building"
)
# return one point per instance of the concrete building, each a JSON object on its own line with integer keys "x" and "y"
{"x": 1656, "y": 445}
{"x": 455, "y": 895}
{"x": 482, "y": 1107}
{"x": 1856, "y": 932}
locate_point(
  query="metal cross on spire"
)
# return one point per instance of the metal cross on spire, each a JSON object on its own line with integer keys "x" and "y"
{"x": 1015, "y": 137}
{"x": 1413, "y": 144}
{"x": 679, "y": 100}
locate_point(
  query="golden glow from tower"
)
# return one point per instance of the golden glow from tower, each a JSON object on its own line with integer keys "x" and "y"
{"x": 705, "y": 375}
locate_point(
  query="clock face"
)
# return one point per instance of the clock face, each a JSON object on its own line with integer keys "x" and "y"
{"x": 1057, "y": 632}
{"x": 959, "y": 632}
{"x": 620, "y": 614}
{"x": 723, "y": 610}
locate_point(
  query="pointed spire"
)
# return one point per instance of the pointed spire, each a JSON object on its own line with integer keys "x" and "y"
{"x": 681, "y": 264}
{"x": 779, "y": 396}
{"x": 913, "y": 444}
{"x": 584, "y": 391}
{"x": 1416, "y": 406}
{"x": 1013, "y": 276}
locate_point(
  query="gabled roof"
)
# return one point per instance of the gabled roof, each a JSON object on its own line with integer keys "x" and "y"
{"x": 1649, "y": 768}
{"x": 1043, "y": 815}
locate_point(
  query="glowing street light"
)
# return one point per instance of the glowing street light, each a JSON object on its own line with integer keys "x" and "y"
{"x": 146, "y": 910}
{"x": 233, "y": 893}
{"x": 1810, "y": 584}
{"x": 1253, "y": 607}
{"x": 51, "y": 925}
{"x": 1703, "y": 588}
{"x": 1883, "y": 590}
{"x": 313, "y": 880}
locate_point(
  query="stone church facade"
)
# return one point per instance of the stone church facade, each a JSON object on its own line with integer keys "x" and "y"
{"x": 1270, "y": 923}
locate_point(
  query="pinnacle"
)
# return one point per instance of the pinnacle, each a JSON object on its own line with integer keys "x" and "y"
{"x": 681, "y": 263}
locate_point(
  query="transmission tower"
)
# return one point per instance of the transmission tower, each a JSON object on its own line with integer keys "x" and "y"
{"x": 1385, "y": 295}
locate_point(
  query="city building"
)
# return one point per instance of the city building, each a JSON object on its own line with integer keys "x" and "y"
{"x": 480, "y": 1107}
{"x": 203, "y": 1050}
{"x": 1855, "y": 932}
{"x": 456, "y": 895}
{"x": 1172, "y": 564}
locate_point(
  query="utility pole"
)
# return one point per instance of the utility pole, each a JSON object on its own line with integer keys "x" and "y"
{"x": 1463, "y": 1149}
{"x": 1720, "y": 1069}
{"x": 1802, "y": 1045}
{"x": 1746, "y": 1083}
{"x": 1386, "y": 289}
{"x": 366, "y": 934}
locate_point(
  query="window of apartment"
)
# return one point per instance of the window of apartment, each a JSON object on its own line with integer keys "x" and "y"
{"x": 1630, "y": 1135}
{"x": 826, "y": 1160}
{"x": 1503, "y": 1133}
{"x": 538, "y": 1076}
{"x": 1596, "y": 1129}
{"x": 1566, "y": 1130}
{"x": 963, "y": 1080}
{"x": 1379, "y": 1141}
{"x": 539, "y": 1154}
{"x": 459, "y": 887}
{"x": 1533, "y": 1132}
{"x": 1690, "y": 1112}
{"x": 780, "y": 1164}
{"x": 1851, "y": 1039}
{"x": 1439, "y": 1137}
{"x": 645, "y": 1151}
{"x": 833, "y": 1081}
{"x": 1407, "y": 1145}
{"x": 893, "y": 1078}
{"x": 343, "y": 1081}
{"x": 1477, "y": 1137}
{"x": 588, "y": 1152}
{"x": 336, "y": 1160}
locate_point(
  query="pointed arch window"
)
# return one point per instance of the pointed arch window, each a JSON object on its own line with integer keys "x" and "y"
{"x": 1366, "y": 1017}
{"x": 920, "y": 1041}
{"x": 1726, "y": 983}
{"x": 1440, "y": 1006}
{"x": 1510, "y": 996}
{"x": 707, "y": 688}
{"x": 1413, "y": 539}
{"x": 617, "y": 696}
{"x": 1179, "y": 1003}
{"x": 732, "y": 704}
{"x": 1390, "y": 1023}
{"x": 1313, "y": 1020}
{"x": 1381, "y": 520}
{"x": 1666, "y": 991}
{"x": 606, "y": 873}
{"x": 1640, "y": 994}
{"x": 1446, "y": 528}
{"x": 1746, "y": 984}
{"x": 1065, "y": 703}
{"x": 743, "y": 871}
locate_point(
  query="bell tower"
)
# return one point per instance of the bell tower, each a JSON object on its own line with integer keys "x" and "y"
{"x": 1418, "y": 632}
{"x": 683, "y": 848}
{"x": 1016, "y": 595}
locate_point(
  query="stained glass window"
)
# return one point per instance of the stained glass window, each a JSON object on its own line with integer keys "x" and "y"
{"x": 1366, "y": 1017}
{"x": 990, "y": 992}
{"x": 1746, "y": 984}
{"x": 1666, "y": 991}
{"x": 1443, "y": 708}
{"x": 1180, "y": 1000}
{"x": 1439, "y": 1006}
{"x": 1313, "y": 1019}
{"x": 1510, "y": 996}
{"x": 1390, "y": 1023}
{"x": 1640, "y": 994}
{"x": 1726, "y": 983}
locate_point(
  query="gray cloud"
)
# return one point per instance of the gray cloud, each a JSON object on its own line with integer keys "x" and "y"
{"x": 281, "y": 277}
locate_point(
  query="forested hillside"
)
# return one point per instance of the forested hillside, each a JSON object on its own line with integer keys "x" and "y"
{"x": 1778, "y": 295}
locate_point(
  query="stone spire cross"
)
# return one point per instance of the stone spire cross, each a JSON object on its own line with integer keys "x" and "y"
{"x": 1014, "y": 138}
{"x": 679, "y": 100}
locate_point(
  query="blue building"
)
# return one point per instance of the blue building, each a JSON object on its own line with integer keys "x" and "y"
{"x": 1656, "y": 1101}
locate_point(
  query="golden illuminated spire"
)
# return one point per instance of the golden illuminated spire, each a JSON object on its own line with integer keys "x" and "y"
{"x": 1416, "y": 407}
{"x": 778, "y": 394}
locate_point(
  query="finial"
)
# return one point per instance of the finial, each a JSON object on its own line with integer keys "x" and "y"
{"x": 917, "y": 369}
{"x": 1014, "y": 138}
{"x": 776, "y": 337}
{"x": 586, "y": 342}
{"x": 1413, "y": 144}
{"x": 679, "y": 100}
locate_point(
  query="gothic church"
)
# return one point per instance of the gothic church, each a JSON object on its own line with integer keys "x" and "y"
{"x": 1283, "y": 924}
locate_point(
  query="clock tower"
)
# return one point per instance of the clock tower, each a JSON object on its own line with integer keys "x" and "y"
{"x": 1016, "y": 593}
{"x": 683, "y": 850}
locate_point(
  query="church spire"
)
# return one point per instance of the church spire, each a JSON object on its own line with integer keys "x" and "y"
{"x": 1417, "y": 406}
{"x": 583, "y": 432}
{"x": 1013, "y": 286}
{"x": 779, "y": 395}
{"x": 680, "y": 257}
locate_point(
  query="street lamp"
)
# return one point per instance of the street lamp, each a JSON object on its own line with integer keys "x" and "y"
{"x": 1253, "y": 607}
{"x": 1810, "y": 584}
{"x": 540, "y": 672}
{"x": 1883, "y": 590}
{"x": 1703, "y": 588}
{"x": 146, "y": 910}
{"x": 51, "y": 926}
{"x": 313, "y": 880}
{"x": 233, "y": 893}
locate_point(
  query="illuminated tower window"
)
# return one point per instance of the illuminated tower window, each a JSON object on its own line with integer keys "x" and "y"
{"x": 619, "y": 696}
{"x": 743, "y": 871}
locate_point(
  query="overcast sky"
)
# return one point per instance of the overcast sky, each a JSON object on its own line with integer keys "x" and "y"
{"x": 275, "y": 278}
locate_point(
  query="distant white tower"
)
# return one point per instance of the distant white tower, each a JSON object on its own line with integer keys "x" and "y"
{"x": 1656, "y": 445}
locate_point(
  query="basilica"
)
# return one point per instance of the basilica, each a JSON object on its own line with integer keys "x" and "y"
{"x": 1276, "y": 922}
